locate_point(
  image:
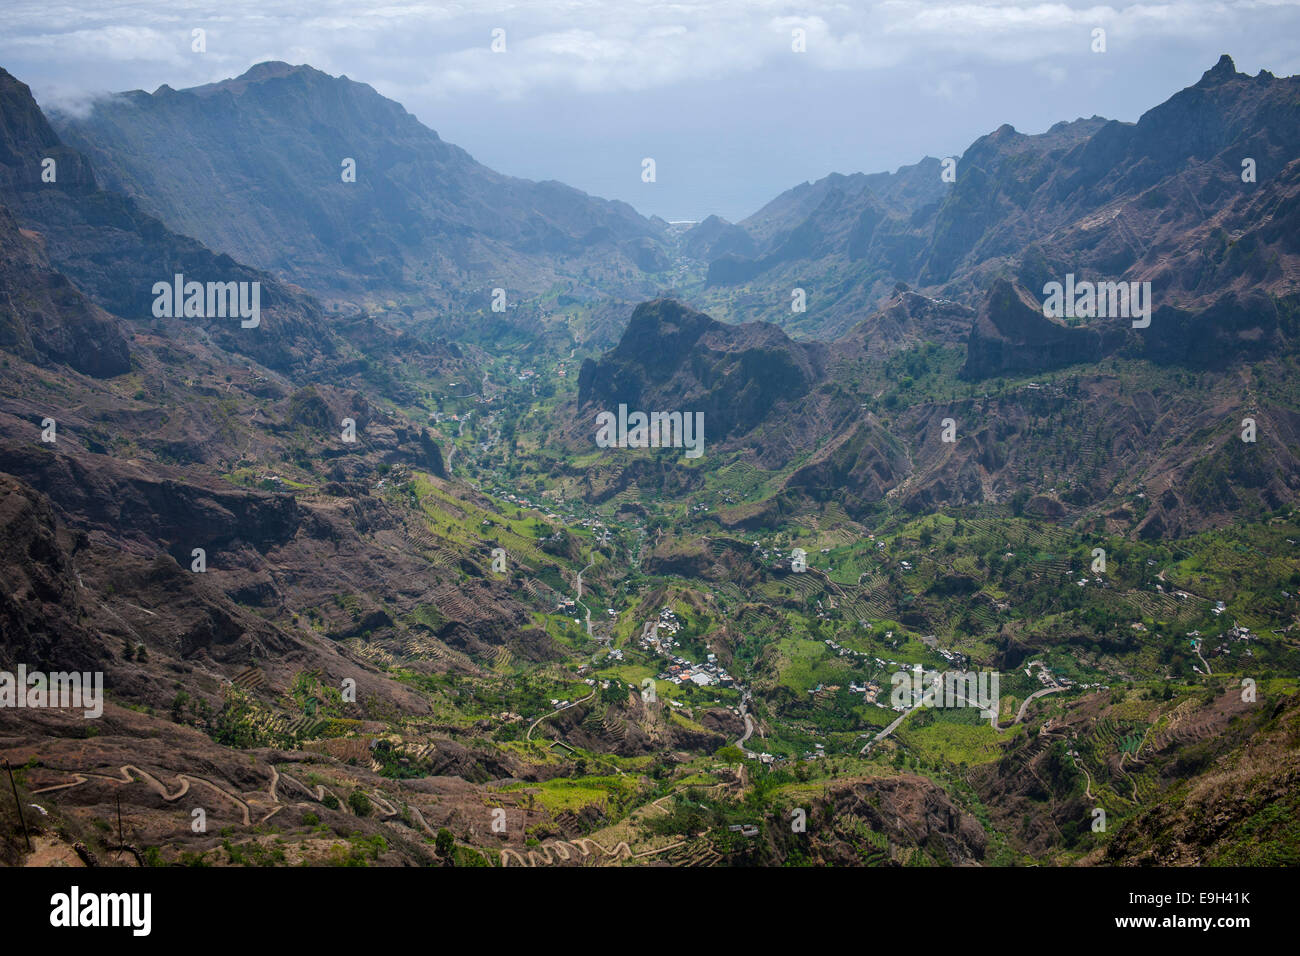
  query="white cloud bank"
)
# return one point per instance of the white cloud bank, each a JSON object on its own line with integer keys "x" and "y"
{"x": 444, "y": 49}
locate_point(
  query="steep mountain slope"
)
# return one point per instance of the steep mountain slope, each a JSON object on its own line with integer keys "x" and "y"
{"x": 43, "y": 317}
{"x": 116, "y": 253}
{"x": 421, "y": 215}
{"x": 1238, "y": 810}
{"x": 903, "y": 191}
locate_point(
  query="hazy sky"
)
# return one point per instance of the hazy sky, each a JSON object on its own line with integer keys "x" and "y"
{"x": 713, "y": 91}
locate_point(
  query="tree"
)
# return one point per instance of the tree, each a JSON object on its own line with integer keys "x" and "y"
{"x": 445, "y": 844}
{"x": 359, "y": 803}
{"x": 1018, "y": 501}
{"x": 729, "y": 754}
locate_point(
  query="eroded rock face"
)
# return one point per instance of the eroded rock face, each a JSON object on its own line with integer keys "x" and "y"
{"x": 101, "y": 493}
{"x": 735, "y": 375}
{"x": 39, "y": 606}
{"x": 1011, "y": 334}
{"x": 45, "y": 318}
{"x": 752, "y": 384}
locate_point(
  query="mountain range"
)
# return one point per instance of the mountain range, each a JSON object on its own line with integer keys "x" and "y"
{"x": 1162, "y": 200}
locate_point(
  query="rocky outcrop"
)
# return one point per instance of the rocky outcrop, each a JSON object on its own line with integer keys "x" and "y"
{"x": 907, "y": 320}
{"x": 673, "y": 358}
{"x": 1011, "y": 335}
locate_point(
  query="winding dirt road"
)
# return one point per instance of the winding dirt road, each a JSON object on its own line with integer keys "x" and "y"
{"x": 993, "y": 720}
{"x": 573, "y": 703}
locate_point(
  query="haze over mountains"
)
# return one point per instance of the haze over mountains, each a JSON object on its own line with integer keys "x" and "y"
{"x": 390, "y": 481}
{"x": 106, "y": 244}
{"x": 421, "y": 216}
{"x": 426, "y": 224}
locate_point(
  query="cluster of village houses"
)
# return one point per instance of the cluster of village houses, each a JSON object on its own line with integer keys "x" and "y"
{"x": 595, "y": 524}
{"x": 1238, "y": 632}
{"x": 1045, "y": 675}
{"x": 871, "y": 689}
{"x": 662, "y": 639}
